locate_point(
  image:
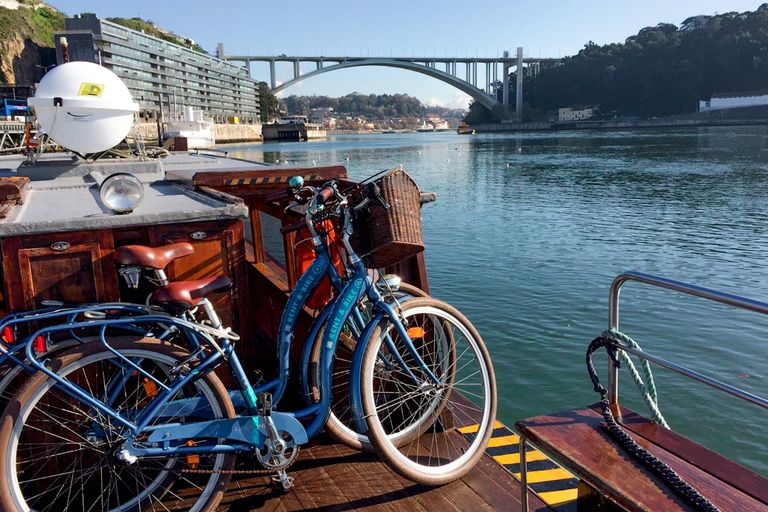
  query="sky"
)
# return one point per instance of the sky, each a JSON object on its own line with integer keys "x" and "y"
{"x": 400, "y": 28}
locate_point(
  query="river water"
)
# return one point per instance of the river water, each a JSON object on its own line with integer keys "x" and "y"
{"x": 529, "y": 230}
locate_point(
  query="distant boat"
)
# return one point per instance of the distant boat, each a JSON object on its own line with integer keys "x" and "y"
{"x": 465, "y": 129}
{"x": 199, "y": 130}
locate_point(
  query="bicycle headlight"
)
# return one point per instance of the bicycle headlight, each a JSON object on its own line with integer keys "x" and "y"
{"x": 121, "y": 192}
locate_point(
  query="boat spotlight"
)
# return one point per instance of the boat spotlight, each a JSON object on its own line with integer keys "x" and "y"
{"x": 121, "y": 192}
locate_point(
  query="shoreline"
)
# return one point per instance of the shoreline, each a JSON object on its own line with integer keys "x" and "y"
{"x": 745, "y": 116}
{"x": 613, "y": 125}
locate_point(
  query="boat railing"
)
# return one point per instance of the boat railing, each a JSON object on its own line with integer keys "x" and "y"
{"x": 698, "y": 291}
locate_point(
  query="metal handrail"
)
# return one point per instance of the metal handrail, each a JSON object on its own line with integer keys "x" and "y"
{"x": 698, "y": 291}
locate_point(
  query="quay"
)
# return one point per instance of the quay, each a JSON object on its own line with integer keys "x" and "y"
{"x": 292, "y": 132}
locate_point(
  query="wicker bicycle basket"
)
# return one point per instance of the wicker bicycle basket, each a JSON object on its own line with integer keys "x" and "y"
{"x": 385, "y": 236}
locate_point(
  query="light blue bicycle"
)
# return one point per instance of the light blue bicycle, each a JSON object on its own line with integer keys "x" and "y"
{"x": 123, "y": 424}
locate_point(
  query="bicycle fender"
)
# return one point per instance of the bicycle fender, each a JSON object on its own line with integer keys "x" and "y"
{"x": 307, "y": 350}
{"x": 355, "y": 374}
{"x": 249, "y": 429}
{"x": 299, "y": 295}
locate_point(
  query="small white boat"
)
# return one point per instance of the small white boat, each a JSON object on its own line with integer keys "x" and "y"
{"x": 199, "y": 130}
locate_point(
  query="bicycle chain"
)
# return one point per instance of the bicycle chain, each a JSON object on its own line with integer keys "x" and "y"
{"x": 242, "y": 471}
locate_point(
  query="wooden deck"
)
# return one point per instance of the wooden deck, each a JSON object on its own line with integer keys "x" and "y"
{"x": 334, "y": 478}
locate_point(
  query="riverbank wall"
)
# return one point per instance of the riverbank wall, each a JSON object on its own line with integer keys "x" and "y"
{"x": 225, "y": 133}
{"x": 725, "y": 117}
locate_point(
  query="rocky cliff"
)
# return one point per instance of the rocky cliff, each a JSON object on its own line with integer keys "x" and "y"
{"x": 26, "y": 42}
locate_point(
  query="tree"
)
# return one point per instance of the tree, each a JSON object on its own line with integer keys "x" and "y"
{"x": 662, "y": 70}
{"x": 268, "y": 103}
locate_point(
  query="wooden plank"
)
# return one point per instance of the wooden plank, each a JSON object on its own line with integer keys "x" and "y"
{"x": 499, "y": 488}
{"x": 715, "y": 464}
{"x": 267, "y": 176}
{"x": 358, "y": 483}
{"x": 578, "y": 440}
{"x": 258, "y": 237}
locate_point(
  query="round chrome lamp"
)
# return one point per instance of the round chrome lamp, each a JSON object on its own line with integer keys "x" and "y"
{"x": 121, "y": 192}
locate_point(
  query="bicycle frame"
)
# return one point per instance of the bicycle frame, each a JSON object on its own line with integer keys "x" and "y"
{"x": 249, "y": 432}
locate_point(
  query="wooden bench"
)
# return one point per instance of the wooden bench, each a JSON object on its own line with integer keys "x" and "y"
{"x": 578, "y": 441}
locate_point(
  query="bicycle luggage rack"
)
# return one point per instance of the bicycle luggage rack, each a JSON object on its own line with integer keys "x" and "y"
{"x": 698, "y": 291}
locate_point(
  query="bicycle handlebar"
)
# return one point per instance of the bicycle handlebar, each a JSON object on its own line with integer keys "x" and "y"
{"x": 325, "y": 193}
{"x": 279, "y": 196}
{"x": 290, "y": 228}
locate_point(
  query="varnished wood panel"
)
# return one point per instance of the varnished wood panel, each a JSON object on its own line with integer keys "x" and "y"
{"x": 220, "y": 252}
{"x": 34, "y": 271}
{"x": 578, "y": 440}
{"x": 725, "y": 469}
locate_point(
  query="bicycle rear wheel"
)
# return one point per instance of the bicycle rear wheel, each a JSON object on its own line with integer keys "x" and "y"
{"x": 340, "y": 424}
{"x": 431, "y": 433}
{"x": 56, "y": 454}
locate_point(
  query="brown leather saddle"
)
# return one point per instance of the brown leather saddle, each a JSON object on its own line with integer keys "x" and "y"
{"x": 180, "y": 296}
{"x": 152, "y": 257}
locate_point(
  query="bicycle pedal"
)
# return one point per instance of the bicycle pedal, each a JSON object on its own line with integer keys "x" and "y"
{"x": 264, "y": 403}
{"x": 283, "y": 480}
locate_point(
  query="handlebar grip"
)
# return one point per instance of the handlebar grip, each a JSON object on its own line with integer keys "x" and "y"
{"x": 279, "y": 196}
{"x": 325, "y": 194}
{"x": 290, "y": 228}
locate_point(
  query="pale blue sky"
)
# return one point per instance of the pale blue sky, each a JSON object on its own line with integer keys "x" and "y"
{"x": 546, "y": 28}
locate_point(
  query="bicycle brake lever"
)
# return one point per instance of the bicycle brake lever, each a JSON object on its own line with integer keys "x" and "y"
{"x": 374, "y": 192}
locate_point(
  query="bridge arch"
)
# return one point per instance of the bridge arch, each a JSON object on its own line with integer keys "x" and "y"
{"x": 480, "y": 96}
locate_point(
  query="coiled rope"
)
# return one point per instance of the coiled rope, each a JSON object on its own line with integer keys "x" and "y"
{"x": 651, "y": 461}
{"x": 648, "y": 393}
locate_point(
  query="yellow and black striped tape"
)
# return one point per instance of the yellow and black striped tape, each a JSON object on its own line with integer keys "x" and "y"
{"x": 557, "y": 487}
{"x": 266, "y": 181}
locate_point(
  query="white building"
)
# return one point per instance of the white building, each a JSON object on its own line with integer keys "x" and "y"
{"x": 575, "y": 114}
{"x": 734, "y": 100}
{"x": 162, "y": 75}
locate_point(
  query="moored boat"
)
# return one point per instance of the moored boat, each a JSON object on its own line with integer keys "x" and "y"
{"x": 200, "y": 131}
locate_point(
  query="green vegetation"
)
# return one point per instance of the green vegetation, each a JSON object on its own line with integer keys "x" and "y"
{"x": 36, "y": 24}
{"x": 149, "y": 28}
{"x": 357, "y": 111}
{"x": 268, "y": 103}
{"x": 21, "y": 30}
{"x": 663, "y": 70}
{"x": 371, "y": 106}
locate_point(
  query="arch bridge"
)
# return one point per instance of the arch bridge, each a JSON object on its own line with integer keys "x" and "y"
{"x": 461, "y": 73}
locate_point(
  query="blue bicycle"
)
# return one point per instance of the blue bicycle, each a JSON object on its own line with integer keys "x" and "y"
{"x": 123, "y": 424}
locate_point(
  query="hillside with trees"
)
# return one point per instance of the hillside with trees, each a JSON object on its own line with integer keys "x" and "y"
{"x": 384, "y": 111}
{"x": 372, "y": 106}
{"x": 662, "y": 70}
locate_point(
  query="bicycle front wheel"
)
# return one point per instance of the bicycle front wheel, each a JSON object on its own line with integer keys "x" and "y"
{"x": 429, "y": 432}
{"x": 58, "y": 454}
